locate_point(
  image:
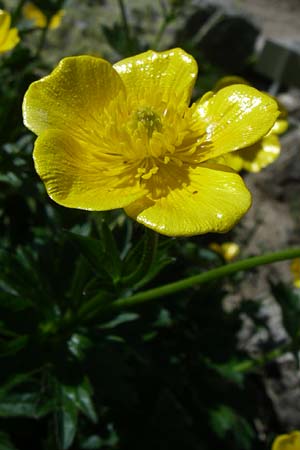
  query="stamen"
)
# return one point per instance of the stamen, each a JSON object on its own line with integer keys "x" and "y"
{"x": 151, "y": 172}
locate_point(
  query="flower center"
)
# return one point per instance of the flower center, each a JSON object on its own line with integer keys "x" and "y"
{"x": 149, "y": 120}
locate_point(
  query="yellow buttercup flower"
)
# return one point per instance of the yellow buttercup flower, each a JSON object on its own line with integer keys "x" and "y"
{"x": 289, "y": 441}
{"x": 264, "y": 152}
{"x": 295, "y": 269}
{"x": 124, "y": 136}
{"x": 33, "y": 13}
{"x": 9, "y": 37}
{"x": 228, "y": 250}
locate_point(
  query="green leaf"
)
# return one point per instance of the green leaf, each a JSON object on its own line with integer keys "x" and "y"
{"x": 67, "y": 418}
{"x": 224, "y": 420}
{"x": 92, "y": 443}
{"x": 78, "y": 345}
{"x": 5, "y": 442}
{"x": 21, "y": 275}
{"x": 156, "y": 267}
{"x": 25, "y": 404}
{"x": 229, "y": 370}
{"x": 102, "y": 261}
{"x": 81, "y": 396}
{"x": 14, "y": 381}
{"x": 14, "y": 302}
{"x": 143, "y": 261}
{"x": 90, "y": 308}
{"x": 120, "y": 319}
{"x": 289, "y": 302}
{"x": 73, "y": 399}
{"x": 110, "y": 248}
{"x": 85, "y": 404}
{"x": 13, "y": 346}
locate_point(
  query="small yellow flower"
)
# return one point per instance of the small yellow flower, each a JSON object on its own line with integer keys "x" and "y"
{"x": 9, "y": 37}
{"x": 33, "y": 13}
{"x": 124, "y": 136}
{"x": 228, "y": 250}
{"x": 264, "y": 152}
{"x": 295, "y": 269}
{"x": 289, "y": 441}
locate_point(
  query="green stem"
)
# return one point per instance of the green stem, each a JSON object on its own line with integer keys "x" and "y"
{"x": 253, "y": 364}
{"x": 146, "y": 259}
{"x": 125, "y": 23}
{"x": 211, "y": 275}
{"x": 17, "y": 12}
{"x": 208, "y": 25}
{"x": 42, "y": 40}
{"x": 161, "y": 30}
{"x": 168, "y": 16}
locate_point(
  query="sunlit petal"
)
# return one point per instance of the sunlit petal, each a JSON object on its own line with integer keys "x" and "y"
{"x": 236, "y": 116}
{"x": 73, "y": 97}
{"x": 157, "y": 78}
{"x": 77, "y": 176}
{"x": 209, "y": 198}
{"x": 280, "y": 126}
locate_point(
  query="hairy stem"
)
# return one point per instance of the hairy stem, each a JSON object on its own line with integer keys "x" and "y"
{"x": 211, "y": 275}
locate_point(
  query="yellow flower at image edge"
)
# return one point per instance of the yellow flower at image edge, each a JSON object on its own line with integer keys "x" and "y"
{"x": 33, "y": 13}
{"x": 228, "y": 250}
{"x": 9, "y": 37}
{"x": 289, "y": 441}
{"x": 124, "y": 136}
{"x": 295, "y": 269}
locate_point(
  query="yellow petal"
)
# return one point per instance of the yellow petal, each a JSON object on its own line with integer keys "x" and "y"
{"x": 73, "y": 97}
{"x": 280, "y": 126}
{"x": 56, "y": 19}
{"x": 262, "y": 154}
{"x": 212, "y": 200}
{"x": 12, "y": 39}
{"x": 4, "y": 25}
{"x": 228, "y": 250}
{"x": 295, "y": 269}
{"x": 232, "y": 159}
{"x": 154, "y": 78}
{"x": 8, "y": 37}
{"x": 33, "y": 13}
{"x": 289, "y": 441}
{"x": 236, "y": 116}
{"x": 79, "y": 176}
{"x": 255, "y": 157}
{"x": 228, "y": 81}
{"x": 281, "y": 123}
